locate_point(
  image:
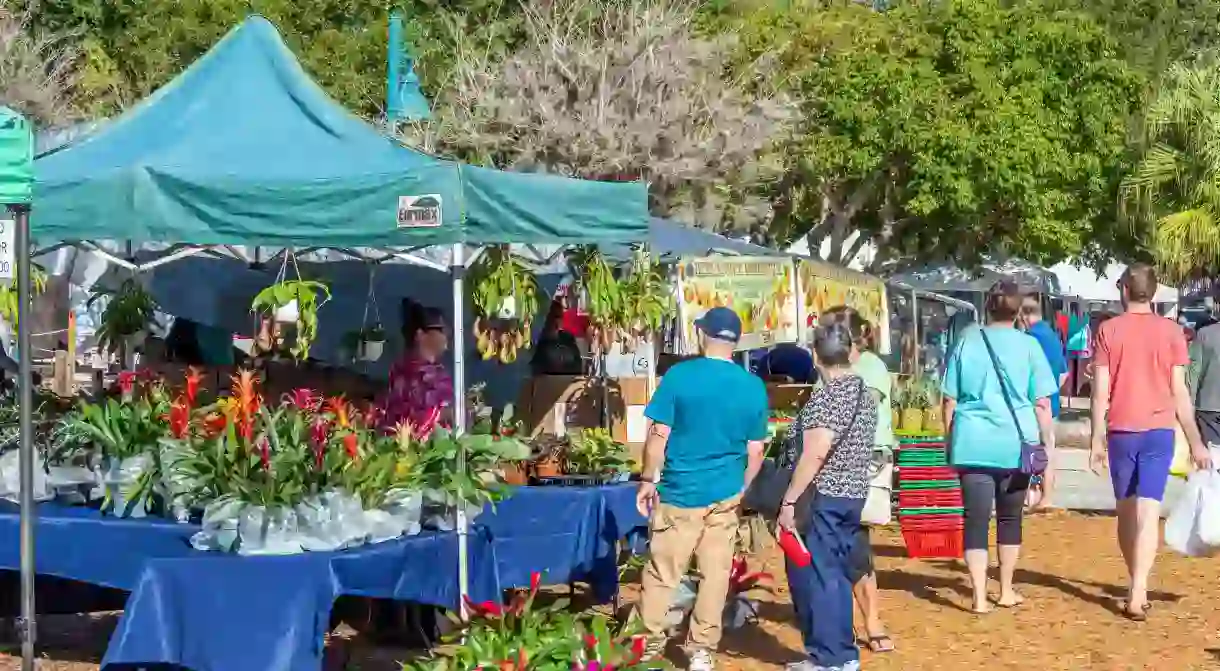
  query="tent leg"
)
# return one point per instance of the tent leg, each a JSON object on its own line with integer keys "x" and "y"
{"x": 457, "y": 270}
{"x": 26, "y": 455}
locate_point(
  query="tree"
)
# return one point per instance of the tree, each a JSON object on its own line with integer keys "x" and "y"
{"x": 1172, "y": 197}
{"x": 132, "y": 48}
{"x": 36, "y": 70}
{"x": 947, "y": 129}
{"x": 614, "y": 89}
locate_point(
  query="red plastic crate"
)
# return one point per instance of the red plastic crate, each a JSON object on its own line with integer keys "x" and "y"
{"x": 946, "y": 544}
{"x": 931, "y": 522}
{"x": 909, "y": 473}
{"x": 930, "y": 498}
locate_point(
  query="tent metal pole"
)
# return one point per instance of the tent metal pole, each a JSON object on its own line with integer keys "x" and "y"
{"x": 26, "y": 454}
{"x": 457, "y": 270}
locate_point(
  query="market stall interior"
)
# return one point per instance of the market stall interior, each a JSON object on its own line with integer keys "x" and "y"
{"x": 243, "y": 156}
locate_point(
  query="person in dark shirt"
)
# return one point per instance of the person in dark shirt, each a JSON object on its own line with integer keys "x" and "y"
{"x": 556, "y": 352}
{"x": 788, "y": 360}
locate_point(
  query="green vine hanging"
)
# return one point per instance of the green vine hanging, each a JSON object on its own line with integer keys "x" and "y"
{"x": 506, "y": 297}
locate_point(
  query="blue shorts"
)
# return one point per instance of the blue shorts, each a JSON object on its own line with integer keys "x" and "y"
{"x": 1139, "y": 462}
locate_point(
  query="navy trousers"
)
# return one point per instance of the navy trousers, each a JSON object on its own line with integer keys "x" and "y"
{"x": 821, "y": 592}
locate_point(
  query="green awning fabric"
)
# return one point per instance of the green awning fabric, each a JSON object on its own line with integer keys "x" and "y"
{"x": 16, "y": 159}
{"x": 244, "y": 148}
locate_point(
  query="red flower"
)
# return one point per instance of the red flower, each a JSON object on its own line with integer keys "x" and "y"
{"x": 487, "y": 609}
{"x": 304, "y": 399}
{"x": 639, "y": 645}
{"x": 590, "y": 642}
{"x": 535, "y": 582}
{"x": 264, "y": 453}
{"x": 214, "y": 423}
{"x": 741, "y": 580}
{"x": 179, "y": 418}
{"x": 193, "y": 377}
{"x": 351, "y": 446}
{"x": 127, "y": 383}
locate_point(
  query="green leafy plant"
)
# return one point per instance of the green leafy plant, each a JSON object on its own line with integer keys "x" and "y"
{"x": 309, "y": 295}
{"x": 506, "y": 297}
{"x": 595, "y": 452}
{"x": 476, "y": 484}
{"x": 129, "y": 310}
{"x": 621, "y": 308}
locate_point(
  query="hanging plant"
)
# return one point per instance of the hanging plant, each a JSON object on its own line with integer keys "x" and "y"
{"x": 506, "y": 298}
{"x": 293, "y": 301}
{"x": 621, "y": 309}
{"x": 8, "y": 294}
{"x": 367, "y": 343}
{"x": 129, "y": 312}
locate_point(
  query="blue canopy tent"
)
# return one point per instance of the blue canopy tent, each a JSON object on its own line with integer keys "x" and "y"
{"x": 244, "y": 150}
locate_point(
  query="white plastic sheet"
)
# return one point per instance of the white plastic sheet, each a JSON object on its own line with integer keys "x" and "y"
{"x": 10, "y": 478}
{"x": 118, "y": 477}
{"x": 1193, "y": 527}
{"x": 331, "y": 521}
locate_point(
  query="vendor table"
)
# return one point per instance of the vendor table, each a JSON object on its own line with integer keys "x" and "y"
{"x": 565, "y": 533}
{"x": 217, "y": 612}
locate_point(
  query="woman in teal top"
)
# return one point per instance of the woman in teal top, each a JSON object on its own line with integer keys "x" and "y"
{"x": 984, "y": 441}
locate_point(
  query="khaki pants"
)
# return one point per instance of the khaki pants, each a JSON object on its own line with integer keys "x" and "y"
{"x": 707, "y": 533}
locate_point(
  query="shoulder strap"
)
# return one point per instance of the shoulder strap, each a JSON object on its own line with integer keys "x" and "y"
{"x": 999, "y": 371}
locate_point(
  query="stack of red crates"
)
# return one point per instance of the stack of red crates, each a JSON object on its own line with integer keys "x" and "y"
{"x": 930, "y": 509}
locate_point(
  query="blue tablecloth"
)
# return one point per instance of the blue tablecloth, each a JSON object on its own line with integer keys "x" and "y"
{"x": 215, "y": 612}
{"x": 564, "y": 533}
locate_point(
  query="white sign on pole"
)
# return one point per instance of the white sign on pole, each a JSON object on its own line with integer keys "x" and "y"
{"x": 7, "y": 258}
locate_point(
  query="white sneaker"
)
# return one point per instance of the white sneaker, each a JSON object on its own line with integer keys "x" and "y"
{"x": 700, "y": 660}
{"x": 803, "y": 665}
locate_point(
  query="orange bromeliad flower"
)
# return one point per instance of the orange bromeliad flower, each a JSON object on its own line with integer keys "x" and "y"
{"x": 337, "y": 406}
{"x": 351, "y": 446}
{"x": 248, "y": 401}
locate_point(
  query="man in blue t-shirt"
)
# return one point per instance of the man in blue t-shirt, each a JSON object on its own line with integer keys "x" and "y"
{"x": 705, "y": 445}
{"x": 1052, "y": 347}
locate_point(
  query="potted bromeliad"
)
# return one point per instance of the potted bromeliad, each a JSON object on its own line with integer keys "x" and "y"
{"x": 124, "y": 434}
{"x": 129, "y": 313}
{"x": 525, "y": 636}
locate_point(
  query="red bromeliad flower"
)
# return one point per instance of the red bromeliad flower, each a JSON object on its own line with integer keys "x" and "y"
{"x": 319, "y": 432}
{"x": 485, "y": 610}
{"x": 741, "y": 580}
{"x": 639, "y": 644}
{"x": 214, "y": 423}
{"x": 264, "y": 453}
{"x": 373, "y": 415}
{"x": 351, "y": 446}
{"x": 304, "y": 399}
{"x": 127, "y": 384}
{"x": 193, "y": 377}
{"x": 179, "y": 418}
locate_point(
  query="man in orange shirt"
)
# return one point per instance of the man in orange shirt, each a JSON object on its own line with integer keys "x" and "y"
{"x": 1139, "y": 397}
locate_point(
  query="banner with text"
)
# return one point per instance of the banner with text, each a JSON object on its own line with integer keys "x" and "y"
{"x": 824, "y": 286}
{"x": 760, "y": 289}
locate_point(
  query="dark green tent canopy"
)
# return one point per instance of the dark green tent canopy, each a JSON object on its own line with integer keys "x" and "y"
{"x": 245, "y": 149}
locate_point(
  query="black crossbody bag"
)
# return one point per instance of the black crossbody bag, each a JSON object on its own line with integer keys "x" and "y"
{"x": 766, "y": 493}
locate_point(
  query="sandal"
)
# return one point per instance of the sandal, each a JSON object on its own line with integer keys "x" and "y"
{"x": 1135, "y": 616}
{"x": 881, "y": 644}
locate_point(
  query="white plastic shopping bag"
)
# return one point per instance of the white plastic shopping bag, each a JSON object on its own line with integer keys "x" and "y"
{"x": 1193, "y": 527}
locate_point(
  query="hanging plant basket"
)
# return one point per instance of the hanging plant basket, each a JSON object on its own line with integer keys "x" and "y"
{"x": 294, "y": 301}
{"x": 129, "y": 313}
{"x": 506, "y": 299}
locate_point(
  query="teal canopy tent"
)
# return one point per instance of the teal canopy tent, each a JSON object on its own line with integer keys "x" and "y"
{"x": 243, "y": 148}
{"x": 16, "y": 159}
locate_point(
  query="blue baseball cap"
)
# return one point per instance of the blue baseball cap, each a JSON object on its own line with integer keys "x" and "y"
{"x": 721, "y": 324}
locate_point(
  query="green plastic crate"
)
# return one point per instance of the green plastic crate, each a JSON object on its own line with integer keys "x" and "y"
{"x": 929, "y": 484}
{"x": 932, "y": 511}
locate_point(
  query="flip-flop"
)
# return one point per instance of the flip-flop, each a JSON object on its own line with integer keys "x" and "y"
{"x": 1013, "y": 604}
{"x": 877, "y": 644}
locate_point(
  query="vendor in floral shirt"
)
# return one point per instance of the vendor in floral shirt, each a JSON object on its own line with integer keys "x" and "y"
{"x": 421, "y": 389}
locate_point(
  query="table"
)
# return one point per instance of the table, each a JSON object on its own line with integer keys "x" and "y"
{"x": 216, "y": 612}
{"x": 564, "y": 533}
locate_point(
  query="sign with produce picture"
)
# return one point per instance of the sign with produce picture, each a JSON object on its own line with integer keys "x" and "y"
{"x": 824, "y": 286}
{"x": 761, "y": 290}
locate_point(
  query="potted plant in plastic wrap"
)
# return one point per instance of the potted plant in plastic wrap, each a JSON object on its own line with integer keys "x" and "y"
{"x": 595, "y": 453}
{"x": 448, "y": 485}
{"x": 130, "y": 311}
{"x": 126, "y": 434}
{"x": 304, "y": 474}
{"x": 739, "y": 608}
{"x": 523, "y": 636}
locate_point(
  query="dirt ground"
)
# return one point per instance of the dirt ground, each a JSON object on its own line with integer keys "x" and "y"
{"x": 1071, "y": 576}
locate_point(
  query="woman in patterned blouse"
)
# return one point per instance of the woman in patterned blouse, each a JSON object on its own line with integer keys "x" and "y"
{"x": 421, "y": 389}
